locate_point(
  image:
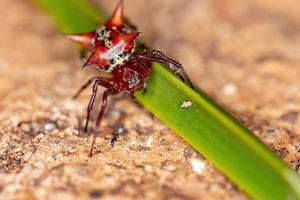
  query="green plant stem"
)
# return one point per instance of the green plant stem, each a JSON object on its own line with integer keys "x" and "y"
{"x": 232, "y": 148}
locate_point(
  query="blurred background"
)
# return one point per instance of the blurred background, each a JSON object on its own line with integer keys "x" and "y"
{"x": 244, "y": 53}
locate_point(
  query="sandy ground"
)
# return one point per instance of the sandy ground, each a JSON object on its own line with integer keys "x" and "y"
{"x": 244, "y": 53}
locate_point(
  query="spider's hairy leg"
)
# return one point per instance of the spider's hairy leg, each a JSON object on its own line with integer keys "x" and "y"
{"x": 158, "y": 53}
{"x": 173, "y": 63}
{"x": 99, "y": 81}
{"x": 106, "y": 93}
{"x": 91, "y": 104}
{"x": 90, "y": 81}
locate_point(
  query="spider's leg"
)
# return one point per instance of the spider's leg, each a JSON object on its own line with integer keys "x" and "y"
{"x": 99, "y": 81}
{"x": 173, "y": 63}
{"x": 179, "y": 71}
{"x": 85, "y": 86}
{"x": 91, "y": 103}
{"x": 158, "y": 53}
{"x": 106, "y": 93}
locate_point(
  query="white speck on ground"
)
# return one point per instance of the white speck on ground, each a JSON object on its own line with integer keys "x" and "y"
{"x": 148, "y": 168}
{"x": 49, "y": 126}
{"x": 14, "y": 121}
{"x": 149, "y": 141}
{"x": 229, "y": 89}
{"x": 197, "y": 165}
{"x": 186, "y": 104}
{"x": 170, "y": 168}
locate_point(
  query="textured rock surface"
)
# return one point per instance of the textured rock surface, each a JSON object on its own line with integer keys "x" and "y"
{"x": 245, "y": 53}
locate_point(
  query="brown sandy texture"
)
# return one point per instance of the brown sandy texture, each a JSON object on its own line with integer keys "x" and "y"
{"x": 245, "y": 53}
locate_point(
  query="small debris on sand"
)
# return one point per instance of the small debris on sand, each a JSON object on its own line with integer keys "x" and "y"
{"x": 49, "y": 126}
{"x": 197, "y": 165}
{"x": 229, "y": 89}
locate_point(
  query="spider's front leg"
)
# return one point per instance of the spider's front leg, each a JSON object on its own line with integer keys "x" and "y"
{"x": 173, "y": 65}
{"x": 97, "y": 81}
{"x": 106, "y": 93}
{"x": 91, "y": 104}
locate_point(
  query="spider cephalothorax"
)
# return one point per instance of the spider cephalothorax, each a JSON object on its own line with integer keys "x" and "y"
{"x": 111, "y": 48}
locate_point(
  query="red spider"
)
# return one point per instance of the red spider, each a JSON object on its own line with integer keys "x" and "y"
{"x": 111, "y": 48}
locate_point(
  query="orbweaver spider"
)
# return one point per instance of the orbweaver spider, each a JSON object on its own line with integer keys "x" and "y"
{"x": 111, "y": 48}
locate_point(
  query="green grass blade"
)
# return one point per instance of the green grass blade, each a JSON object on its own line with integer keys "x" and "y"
{"x": 72, "y": 15}
{"x": 206, "y": 126}
{"x": 220, "y": 138}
